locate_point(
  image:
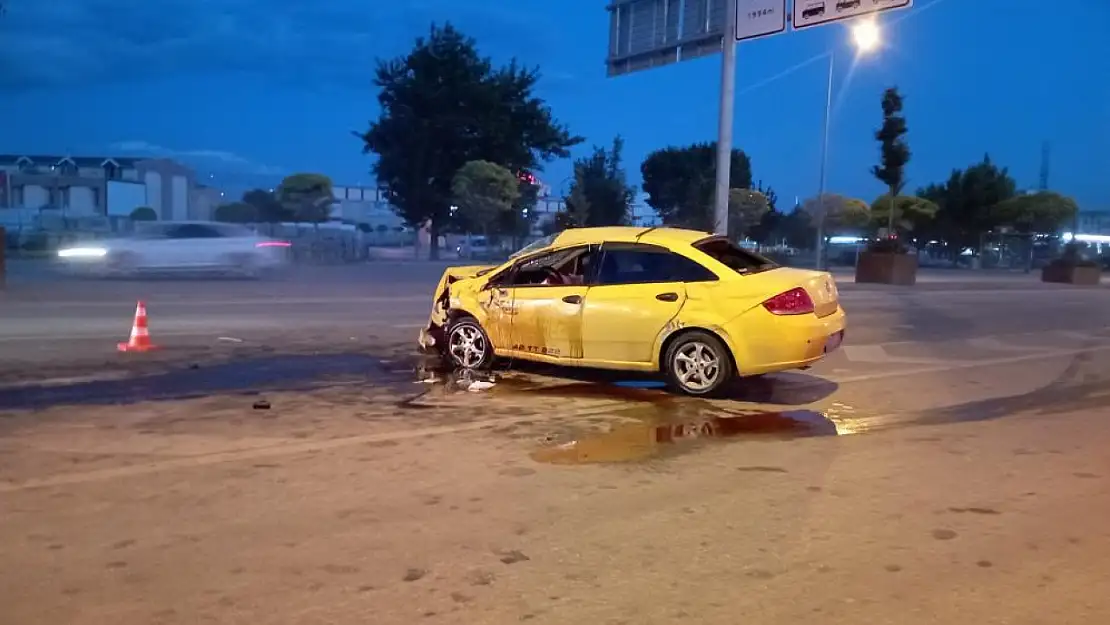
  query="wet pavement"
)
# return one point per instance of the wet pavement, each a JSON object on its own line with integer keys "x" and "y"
{"x": 251, "y": 376}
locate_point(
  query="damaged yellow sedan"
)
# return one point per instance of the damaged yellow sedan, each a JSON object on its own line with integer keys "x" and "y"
{"x": 688, "y": 304}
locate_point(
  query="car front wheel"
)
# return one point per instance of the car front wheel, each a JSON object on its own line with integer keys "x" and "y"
{"x": 468, "y": 345}
{"x": 698, "y": 364}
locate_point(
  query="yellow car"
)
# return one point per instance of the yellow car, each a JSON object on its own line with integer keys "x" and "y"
{"x": 691, "y": 305}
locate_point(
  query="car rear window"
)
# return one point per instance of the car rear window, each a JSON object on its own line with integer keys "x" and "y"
{"x": 733, "y": 256}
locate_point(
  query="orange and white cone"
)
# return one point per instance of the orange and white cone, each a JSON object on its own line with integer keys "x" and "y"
{"x": 140, "y": 334}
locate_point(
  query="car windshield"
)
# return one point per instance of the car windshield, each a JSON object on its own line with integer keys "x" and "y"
{"x": 735, "y": 257}
{"x": 538, "y": 244}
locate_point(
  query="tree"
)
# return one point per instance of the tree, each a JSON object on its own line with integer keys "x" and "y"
{"x": 1043, "y": 212}
{"x": 797, "y": 229}
{"x": 267, "y": 206}
{"x": 144, "y": 213}
{"x": 767, "y": 230}
{"x": 600, "y": 194}
{"x": 840, "y": 213}
{"x": 442, "y": 105}
{"x": 911, "y": 213}
{"x": 746, "y": 207}
{"x": 308, "y": 197}
{"x": 966, "y": 202}
{"x": 680, "y": 182}
{"x": 236, "y": 213}
{"x": 894, "y": 153}
{"x": 769, "y": 193}
{"x": 484, "y": 192}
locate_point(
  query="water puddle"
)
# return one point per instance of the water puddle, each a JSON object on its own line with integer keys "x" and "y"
{"x": 641, "y": 440}
{"x": 287, "y": 373}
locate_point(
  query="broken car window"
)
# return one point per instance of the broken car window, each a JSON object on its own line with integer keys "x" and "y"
{"x": 735, "y": 257}
{"x": 535, "y": 246}
{"x": 558, "y": 268}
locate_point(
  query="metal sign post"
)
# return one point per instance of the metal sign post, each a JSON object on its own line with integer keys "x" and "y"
{"x": 651, "y": 33}
{"x": 725, "y": 112}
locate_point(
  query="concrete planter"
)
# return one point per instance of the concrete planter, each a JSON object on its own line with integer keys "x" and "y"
{"x": 1071, "y": 274}
{"x": 886, "y": 268}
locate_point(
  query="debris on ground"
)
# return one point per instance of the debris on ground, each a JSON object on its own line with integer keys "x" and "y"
{"x": 479, "y": 385}
{"x": 474, "y": 381}
{"x": 261, "y": 404}
{"x": 229, "y": 339}
{"x": 431, "y": 369}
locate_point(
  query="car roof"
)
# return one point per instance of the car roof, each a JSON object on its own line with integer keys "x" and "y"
{"x": 665, "y": 237}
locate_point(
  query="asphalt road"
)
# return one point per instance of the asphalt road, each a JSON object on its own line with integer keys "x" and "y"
{"x": 947, "y": 466}
{"x": 46, "y": 320}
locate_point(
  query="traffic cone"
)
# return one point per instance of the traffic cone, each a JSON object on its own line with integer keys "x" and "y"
{"x": 140, "y": 335}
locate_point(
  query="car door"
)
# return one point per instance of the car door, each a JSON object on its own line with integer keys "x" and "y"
{"x": 147, "y": 248}
{"x": 638, "y": 290}
{"x": 179, "y": 249}
{"x": 538, "y": 317}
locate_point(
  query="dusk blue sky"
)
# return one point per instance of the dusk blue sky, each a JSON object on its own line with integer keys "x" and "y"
{"x": 247, "y": 90}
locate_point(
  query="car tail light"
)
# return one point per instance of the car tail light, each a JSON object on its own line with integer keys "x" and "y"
{"x": 273, "y": 244}
{"x": 793, "y": 302}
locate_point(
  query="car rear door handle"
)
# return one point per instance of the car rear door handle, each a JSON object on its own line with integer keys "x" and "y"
{"x": 667, "y": 297}
{"x": 573, "y": 299}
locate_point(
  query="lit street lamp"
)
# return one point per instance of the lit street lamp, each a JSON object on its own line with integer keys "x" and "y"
{"x": 866, "y": 38}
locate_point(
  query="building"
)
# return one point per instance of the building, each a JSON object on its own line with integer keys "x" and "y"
{"x": 548, "y": 206}
{"x": 368, "y": 205}
{"x": 98, "y": 186}
{"x": 1094, "y": 222}
{"x": 365, "y": 205}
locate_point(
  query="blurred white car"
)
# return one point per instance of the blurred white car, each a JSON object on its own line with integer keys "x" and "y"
{"x": 179, "y": 247}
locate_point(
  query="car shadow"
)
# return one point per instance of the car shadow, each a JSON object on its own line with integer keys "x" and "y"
{"x": 783, "y": 389}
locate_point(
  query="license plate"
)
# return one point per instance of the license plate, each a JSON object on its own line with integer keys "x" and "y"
{"x": 834, "y": 341}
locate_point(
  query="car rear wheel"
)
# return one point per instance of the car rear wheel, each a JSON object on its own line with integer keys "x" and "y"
{"x": 698, "y": 363}
{"x": 468, "y": 345}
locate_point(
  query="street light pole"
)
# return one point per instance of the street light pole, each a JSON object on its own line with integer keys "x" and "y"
{"x": 818, "y": 264}
{"x": 866, "y": 38}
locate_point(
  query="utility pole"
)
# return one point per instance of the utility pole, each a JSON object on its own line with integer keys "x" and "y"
{"x": 1046, "y": 154}
{"x": 724, "y": 122}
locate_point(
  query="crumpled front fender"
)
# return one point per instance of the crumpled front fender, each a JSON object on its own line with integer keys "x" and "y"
{"x": 432, "y": 334}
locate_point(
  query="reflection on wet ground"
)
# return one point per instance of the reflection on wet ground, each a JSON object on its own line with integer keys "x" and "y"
{"x": 652, "y": 422}
{"x": 289, "y": 373}
{"x": 640, "y": 440}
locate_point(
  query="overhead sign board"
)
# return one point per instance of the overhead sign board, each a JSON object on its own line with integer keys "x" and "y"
{"x": 650, "y": 33}
{"x": 759, "y": 18}
{"x": 817, "y": 12}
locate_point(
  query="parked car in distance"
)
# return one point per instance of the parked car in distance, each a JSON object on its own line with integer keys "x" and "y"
{"x": 179, "y": 247}
{"x": 480, "y": 248}
{"x": 689, "y": 304}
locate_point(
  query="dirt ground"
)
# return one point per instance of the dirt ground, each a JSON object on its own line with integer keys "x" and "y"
{"x": 579, "y": 504}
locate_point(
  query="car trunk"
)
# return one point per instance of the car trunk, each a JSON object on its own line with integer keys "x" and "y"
{"x": 820, "y": 285}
